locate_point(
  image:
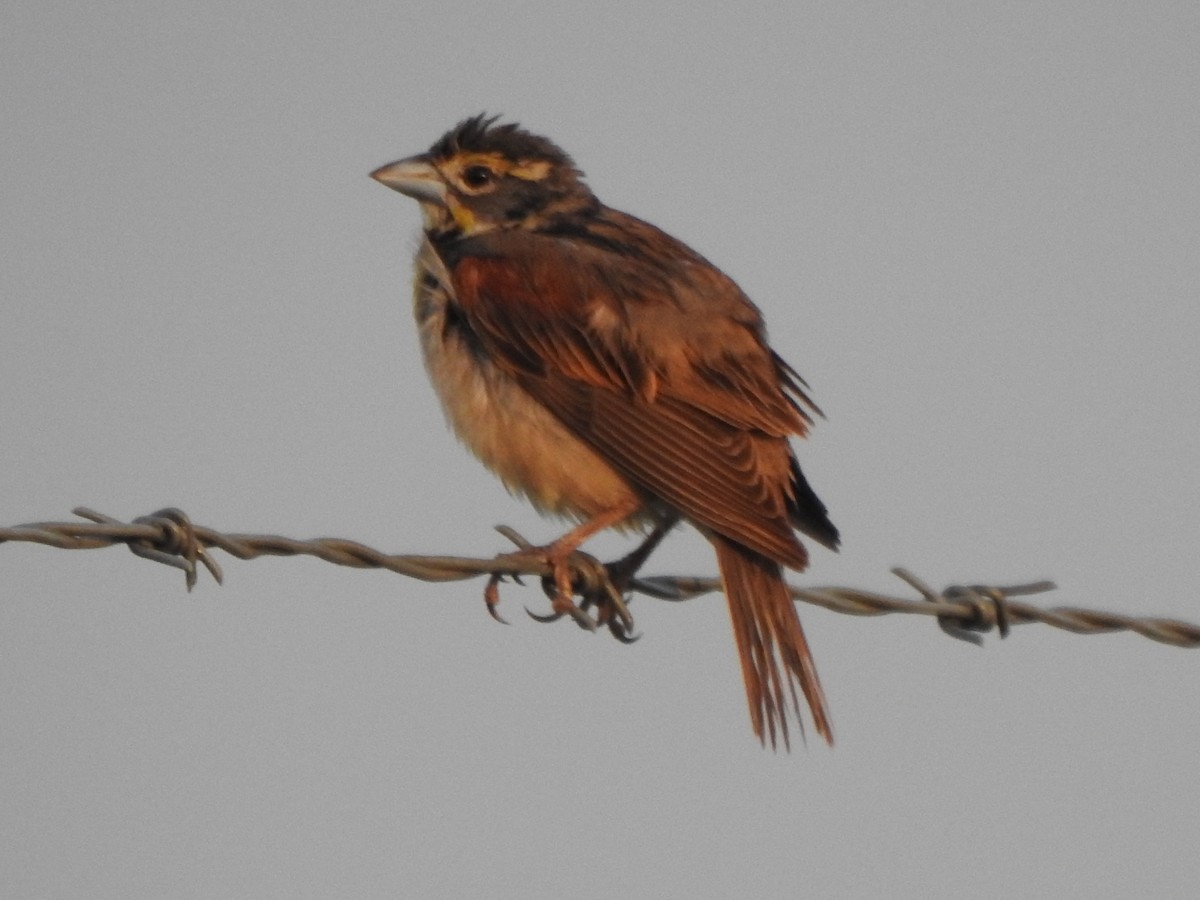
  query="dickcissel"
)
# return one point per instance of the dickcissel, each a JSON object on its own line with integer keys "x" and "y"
{"x": 612, "y": 375}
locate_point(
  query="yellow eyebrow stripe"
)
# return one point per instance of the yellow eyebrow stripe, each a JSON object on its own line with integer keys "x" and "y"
{"x": 525, "y": 169}
{"x": 534, "y": 170}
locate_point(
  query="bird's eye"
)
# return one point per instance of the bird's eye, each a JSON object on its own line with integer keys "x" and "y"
{"x": 477, "y": 176}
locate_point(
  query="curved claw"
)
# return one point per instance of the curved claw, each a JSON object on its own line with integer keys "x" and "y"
{"x": 544, "y": 619}
{"x": 622, "y": 635}
{"x": 491, "y": 598}
{"x": 582, "y": 619}
{"x": 616, "y": 615}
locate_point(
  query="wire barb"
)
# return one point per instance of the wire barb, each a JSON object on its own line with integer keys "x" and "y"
{"x": 175, "y": 544}
{"x": 989, "y": 606}
{"x": 963, "y": 611}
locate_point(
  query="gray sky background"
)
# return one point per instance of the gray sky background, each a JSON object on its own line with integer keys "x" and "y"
{"x": 973, "y": 229}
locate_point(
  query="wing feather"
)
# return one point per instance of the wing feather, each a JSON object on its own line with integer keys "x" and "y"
{"x": 702, "y": 424}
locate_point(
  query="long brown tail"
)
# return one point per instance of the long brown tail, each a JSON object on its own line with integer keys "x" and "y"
{"x": 769, "y": 636}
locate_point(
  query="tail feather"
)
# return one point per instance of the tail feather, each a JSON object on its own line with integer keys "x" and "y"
{"x": 770, "y": 643}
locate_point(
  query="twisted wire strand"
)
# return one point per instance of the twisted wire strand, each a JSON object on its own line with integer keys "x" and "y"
{"x": 962, "y": 611}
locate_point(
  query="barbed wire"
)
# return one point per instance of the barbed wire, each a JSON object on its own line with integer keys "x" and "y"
{"x": 962, "y": 611}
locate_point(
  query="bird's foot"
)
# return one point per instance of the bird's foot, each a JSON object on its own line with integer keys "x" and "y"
{"x": 572, "y": 572}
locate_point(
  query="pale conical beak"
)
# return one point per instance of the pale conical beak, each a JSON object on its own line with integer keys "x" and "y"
{"x": 414, "y": 177}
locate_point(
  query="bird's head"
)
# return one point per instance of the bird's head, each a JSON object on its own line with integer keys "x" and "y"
{"x": 481, "y": 176}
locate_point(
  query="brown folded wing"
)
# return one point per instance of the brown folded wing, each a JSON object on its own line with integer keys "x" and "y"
{"x": 673, "y": 383}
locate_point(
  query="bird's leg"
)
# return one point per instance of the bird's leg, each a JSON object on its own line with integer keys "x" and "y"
{"x": 614, "y": 613}
{"x": 621, "y": 571}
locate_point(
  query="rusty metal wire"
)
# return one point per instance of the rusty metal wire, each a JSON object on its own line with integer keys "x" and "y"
{"x": 962, "y": 611}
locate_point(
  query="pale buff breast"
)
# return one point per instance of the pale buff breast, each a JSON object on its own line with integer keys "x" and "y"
{"x": 514, "y": 436}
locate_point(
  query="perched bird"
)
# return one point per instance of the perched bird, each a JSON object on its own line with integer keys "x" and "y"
{"x": 612, "y": 375}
